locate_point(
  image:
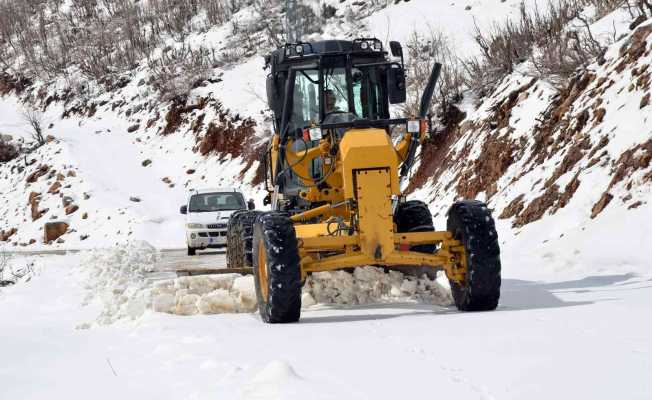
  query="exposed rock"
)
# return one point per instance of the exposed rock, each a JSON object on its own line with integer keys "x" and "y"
{"x": 84, "y": 237}
{"x": 85, "y": 216}
{"x": 513, "y": 208}
{"x": 71, "y": 173}
{"x": 66, "y": 201}
{"x": 54, "y": 189}
{"x": 645, "y": 101}
{"x": 146, "y": 162}
{"x": 34, "y": 200}
{"x": 54, "y": 230}
{"x": 134, "y": 199}
{"x": 71, "y": 209}
{"x": 190, "y": 171}
{"x": 497, "y": 154}
{"x": 60, "y": 177}
{"x": 5, "y": 236}
{"x": 601, "y": 204}
{"x": 639, "y": 20}
{"x": 133, "y": 128}
{"x": 599, "y": 115}
{"x": 40, "y": 171}
{"x": 538, "y": 207}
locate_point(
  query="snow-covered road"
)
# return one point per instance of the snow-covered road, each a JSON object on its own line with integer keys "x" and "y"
{"x": 580, "y": 337}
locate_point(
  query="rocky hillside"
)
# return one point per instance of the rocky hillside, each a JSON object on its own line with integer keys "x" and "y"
{"x": 123, "y": 151}
{"x": 532, "y": 151}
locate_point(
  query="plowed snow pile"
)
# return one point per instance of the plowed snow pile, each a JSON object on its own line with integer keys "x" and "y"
{"x": 119, "y": 280}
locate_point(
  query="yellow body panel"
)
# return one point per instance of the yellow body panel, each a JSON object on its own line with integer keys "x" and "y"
{"x": 357, "y": 190}
{"x": 362, "y": 149}
{"x": 376, "y": 222}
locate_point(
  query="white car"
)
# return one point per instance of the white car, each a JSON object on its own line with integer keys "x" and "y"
{"x": 207, "y": 214}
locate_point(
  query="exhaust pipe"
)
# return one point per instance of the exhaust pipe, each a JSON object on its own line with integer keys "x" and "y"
{"x": 426, "y": 99}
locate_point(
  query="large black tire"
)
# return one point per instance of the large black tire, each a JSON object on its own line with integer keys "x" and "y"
{"x": 471, "y": 223}
{"x": 191, "y": 251}
{"x": 277, "y": 270}
{"x": 414, "y": 216}
{"x": 239, "y": 239}
{"x": 233, "y": 259}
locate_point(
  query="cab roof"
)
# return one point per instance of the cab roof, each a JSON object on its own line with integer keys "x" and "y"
{"x": 293, "y": 53}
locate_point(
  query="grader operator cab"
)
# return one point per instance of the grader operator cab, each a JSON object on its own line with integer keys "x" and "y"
{"x": 334, "y": 177}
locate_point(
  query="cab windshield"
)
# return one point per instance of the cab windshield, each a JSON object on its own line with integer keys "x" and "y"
{"x": 208, "y": 202}
{"x": 363, "y": 98}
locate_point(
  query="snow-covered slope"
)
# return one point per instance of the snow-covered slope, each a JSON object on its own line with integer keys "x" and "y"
{"x": 106, "y": 135}
{"x": 561, "y": 170}
{"x": 567, "y": 173}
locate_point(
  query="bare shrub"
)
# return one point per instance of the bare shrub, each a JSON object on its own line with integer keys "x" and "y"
{"x": 5, "y": 259}
{"x": 34, "y": 119}
{"x": 179, "y": 70}
{"x": 422, "y": 52}
{"x": 558, "y": 40}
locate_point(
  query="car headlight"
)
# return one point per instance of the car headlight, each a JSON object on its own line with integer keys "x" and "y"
{"x": 194, "y": 226}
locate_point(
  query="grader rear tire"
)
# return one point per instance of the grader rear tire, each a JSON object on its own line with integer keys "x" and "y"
{"x": 233, "y": 258}
{"x": 277, "y": 270}
{"x": 471, "y": 223}
{"x": 239, "y": 239}
{"x": 414, "y": 216}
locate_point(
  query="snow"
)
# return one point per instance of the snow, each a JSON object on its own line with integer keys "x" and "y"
{"x": 550, "y": 325}
{"x": 98, "y": 324}
{"x": 123, "y": 280}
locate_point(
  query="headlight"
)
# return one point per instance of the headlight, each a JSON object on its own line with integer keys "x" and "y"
{"x": 414, "y": 126}
{"x": 194, "y": 226}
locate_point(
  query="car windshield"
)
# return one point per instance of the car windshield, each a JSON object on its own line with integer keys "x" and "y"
{"x": 207, "y": 202}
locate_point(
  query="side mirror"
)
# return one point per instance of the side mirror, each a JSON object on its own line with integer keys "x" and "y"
{"x": 251, "y": 205}
{"x": 273, "y": 96}
{"x": 183, "y": 210}
{"x": 397, "y": 49}
{"x": 396, "y": 85}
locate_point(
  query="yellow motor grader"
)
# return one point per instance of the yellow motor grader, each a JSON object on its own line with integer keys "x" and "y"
{"x": 334, "y": 175}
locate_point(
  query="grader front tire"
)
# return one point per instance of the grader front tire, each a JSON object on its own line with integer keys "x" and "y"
{"x": 277, "y": 270}
{"x": 471, "y": 223}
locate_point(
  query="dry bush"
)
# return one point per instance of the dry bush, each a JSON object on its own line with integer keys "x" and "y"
{"x": 422, "y": 51}
{"x": 179, "y": 70}
{"x": 5, "y": 259}
{"x": 558, "y": 40}
{"x": 34, "y": 119}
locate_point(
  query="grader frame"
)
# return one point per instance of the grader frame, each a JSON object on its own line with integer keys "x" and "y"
{"x": 335, "y": 184}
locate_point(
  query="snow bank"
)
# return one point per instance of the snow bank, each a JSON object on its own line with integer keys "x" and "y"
{"x": 118, "y": 279}
{"x": 217, "y": 294}
{"x": 372, "y": 285}
{"x": 234, "y": 293}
